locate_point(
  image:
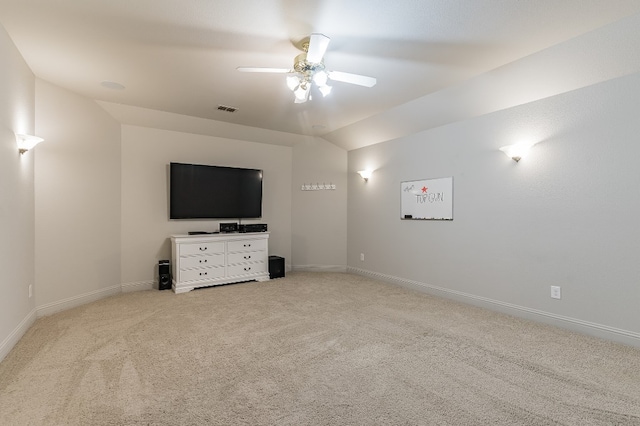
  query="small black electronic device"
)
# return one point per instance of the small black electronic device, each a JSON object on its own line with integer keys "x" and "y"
{"x": 198, "y": 232}
{"x": 229, "y": 227}
{"x": 253, "y": 227}
{"x": 164, "y": 275}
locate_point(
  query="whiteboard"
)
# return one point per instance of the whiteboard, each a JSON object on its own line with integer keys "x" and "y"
{"x": 428, "y": 199}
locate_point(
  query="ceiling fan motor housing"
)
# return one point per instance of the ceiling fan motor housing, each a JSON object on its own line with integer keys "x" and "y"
{"x": 301, "y": 65}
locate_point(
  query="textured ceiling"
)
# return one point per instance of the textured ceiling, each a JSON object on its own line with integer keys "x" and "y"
{"x": 181, "y": 56}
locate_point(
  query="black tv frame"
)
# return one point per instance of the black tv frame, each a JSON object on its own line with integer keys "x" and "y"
{"x": 199, "y": 191}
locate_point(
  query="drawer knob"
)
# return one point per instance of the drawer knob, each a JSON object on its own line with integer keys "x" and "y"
{"x": 203, "y": 248}
{"x": 203, "y": 261}
{"x": 247, "y": 269}
{"x": 203, "y": 273}
{"x": 247, "y": 245}
{"x": 247, "y": 257}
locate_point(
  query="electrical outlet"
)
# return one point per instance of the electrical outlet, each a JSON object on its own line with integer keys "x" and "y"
{"x": 555, "y": 292}
{"x": 362, "y": 257}
{"x": 30, "y": 290}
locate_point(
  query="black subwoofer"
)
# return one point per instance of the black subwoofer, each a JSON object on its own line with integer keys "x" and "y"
{"x": 164, "y": 275}
{"x": 276, "y": 267}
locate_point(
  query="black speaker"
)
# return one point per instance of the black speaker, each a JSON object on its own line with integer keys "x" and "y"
{"x": 276, "y": 267}
{"x": 164, "y": 275}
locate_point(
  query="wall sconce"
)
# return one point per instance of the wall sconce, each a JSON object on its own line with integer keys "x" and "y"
{"x": 365, "y": 174}
{"x": 26, "y": 142}
{"x": 517, "y": 151}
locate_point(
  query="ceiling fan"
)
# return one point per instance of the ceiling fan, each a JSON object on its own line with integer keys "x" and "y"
{"x": 308, "y": 68}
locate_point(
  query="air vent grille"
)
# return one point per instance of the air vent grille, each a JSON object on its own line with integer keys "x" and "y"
{"x": 227, "y": 108}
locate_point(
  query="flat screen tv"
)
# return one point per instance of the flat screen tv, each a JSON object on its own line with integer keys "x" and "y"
{"x": 214, "y": 192}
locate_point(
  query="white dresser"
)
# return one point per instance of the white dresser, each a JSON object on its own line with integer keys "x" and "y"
{"x": 214, "y": 259}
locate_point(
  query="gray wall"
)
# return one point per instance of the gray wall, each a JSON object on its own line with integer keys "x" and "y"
{"x": 566, "y": 215}
{"x": 319, "y": 217}
{"x": 146, "y": 228}
{"x": 77, "y": 200}
{"x": 17, "y": 85}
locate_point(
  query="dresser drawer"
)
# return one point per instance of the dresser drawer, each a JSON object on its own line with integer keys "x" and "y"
{"x": 247, "y": 245}
{"x": 201, "y": 274}
{"x": 246, "y": 257}
{"x": 201, "y": 248}
{"x": 204, "y": 261}
{"x": 246, "y": 269}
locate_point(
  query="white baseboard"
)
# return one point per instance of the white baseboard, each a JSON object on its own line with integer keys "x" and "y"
{"x": 138, "y": 286}
{"x": 319, "y": 268}
{"x": 585, "y": 327}
{"x": 68, "y": 303}
{"x": 13, "y": 338}
{"x": 72, "y": 302}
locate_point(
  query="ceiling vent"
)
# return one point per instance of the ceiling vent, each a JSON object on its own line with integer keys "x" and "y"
{"x": 227, "y": 108}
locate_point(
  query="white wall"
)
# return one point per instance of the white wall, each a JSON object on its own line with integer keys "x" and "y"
{"x": 17, "y": 85}
{"x": 146, "y": 154}
{"x": 319, "y": 217}
{"x": 567, "y": 215}
{"x": 77, "y": 187}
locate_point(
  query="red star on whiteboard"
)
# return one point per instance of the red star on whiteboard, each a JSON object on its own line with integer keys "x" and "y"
{"x": 424, "y": 189}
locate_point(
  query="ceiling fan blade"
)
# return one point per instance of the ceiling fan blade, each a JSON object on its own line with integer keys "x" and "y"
{"x": 263, "y": 69}
{"x": 345, "y": 77}
{"x": 318, "y": 44}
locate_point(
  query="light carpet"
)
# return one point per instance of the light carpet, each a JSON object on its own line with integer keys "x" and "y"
{"x": 310, "y": 349}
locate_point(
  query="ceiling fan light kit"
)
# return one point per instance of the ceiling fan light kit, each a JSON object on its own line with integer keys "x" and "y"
{"x": 308, "y": 69}
{"x": 325, "y": 90}
{"x": 302, "y": 92}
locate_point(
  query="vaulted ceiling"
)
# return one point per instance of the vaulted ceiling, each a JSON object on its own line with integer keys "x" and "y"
{"x": 181, "y": 56}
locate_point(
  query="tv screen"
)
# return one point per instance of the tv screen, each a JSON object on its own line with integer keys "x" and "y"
{"x": 214, "y": 192}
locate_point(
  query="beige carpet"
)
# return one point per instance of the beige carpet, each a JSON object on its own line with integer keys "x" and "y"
{"x": 310, "y": 349}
